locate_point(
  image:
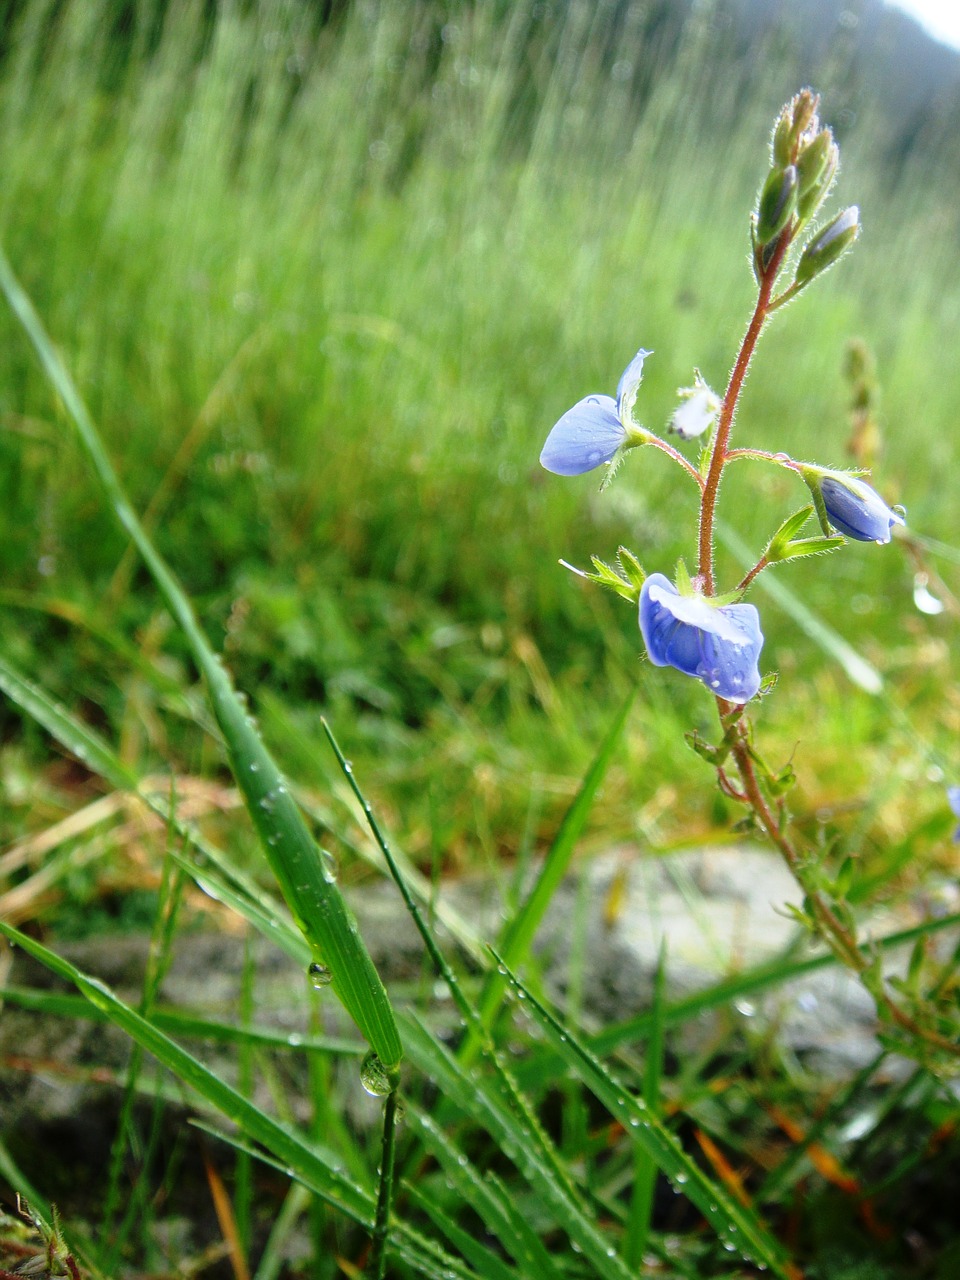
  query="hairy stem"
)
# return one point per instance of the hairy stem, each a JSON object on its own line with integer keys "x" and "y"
{"x": 719, "y": 456}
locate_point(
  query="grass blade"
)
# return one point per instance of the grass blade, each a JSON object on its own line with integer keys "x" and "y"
{"x": 309, "y": 888}
{"x": 733, "y": 1224}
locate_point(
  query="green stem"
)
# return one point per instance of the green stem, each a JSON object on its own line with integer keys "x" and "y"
{"x": 381, "y": 1226}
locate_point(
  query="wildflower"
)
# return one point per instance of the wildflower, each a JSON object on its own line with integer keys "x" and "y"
{"x": 719, "y": 644}
{"x": 953, "y": 799}
{"x": 857, "y": 510}
{"x": 697, "y": 411}
{"x": 591, "y": 433}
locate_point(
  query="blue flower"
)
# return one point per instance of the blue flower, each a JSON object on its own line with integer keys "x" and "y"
{"x": 719, "y": 645}
{"x": 953, "y": 799}
{"x": 590, "y": 433}
{"x": 857, "y": 510}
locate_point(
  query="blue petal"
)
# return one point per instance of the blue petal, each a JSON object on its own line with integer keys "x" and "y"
{"x": 856, "y": 510}
{"x": 719, "y": 646}
{"x": 730, "y": 670}
{"x": 630, "y": 380}
{"x": 586, "y": 436}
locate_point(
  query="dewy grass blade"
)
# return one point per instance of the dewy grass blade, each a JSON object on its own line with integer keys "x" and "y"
{"x": 520, "y": 1142}
{"x": 58, "y": 1005}
{"x": 733, "y": 1223}
{"x": 302, "y": 1160}
{"x": 484, "y": 1196}
{"x": 644, "y": 1165}
{"x": 486, "y": 1263}
{"x": 309, "y": 889}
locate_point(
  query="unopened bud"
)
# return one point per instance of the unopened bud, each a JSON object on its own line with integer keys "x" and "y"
{"x": 782, "y": 142}
{"x": 805, "y": 112}
{"x": 778, "y": 203}
{"x": 814, "y": 195}
{"x": 829, "y": 245}
{"x": 812, "y": 160}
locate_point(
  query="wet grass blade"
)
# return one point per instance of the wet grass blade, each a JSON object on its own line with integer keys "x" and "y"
{"x": 645, "y": 1168}
{"x": 487, "y": 1199}
{"x": 733, "y": 1223}
{"x": 485, "y": 1103}
{"x": 309, "y": 888}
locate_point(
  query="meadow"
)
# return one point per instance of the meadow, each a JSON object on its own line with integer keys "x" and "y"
{"x": 325, "y": 277}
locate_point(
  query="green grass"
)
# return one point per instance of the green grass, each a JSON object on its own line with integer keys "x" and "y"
{"x": 325, "y": 288}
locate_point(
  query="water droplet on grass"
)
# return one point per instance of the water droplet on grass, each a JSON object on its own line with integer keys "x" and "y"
{"x": 319, "y": 975}
{"x": 374, "y": 1077}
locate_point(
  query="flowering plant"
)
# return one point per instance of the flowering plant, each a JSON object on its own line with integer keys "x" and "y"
{"x": 716, "y": 637}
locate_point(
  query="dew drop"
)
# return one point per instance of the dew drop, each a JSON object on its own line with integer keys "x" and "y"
{"x": 319, "y": 975}
{"x": 329, "y": 866}
{"x": 374, "y": 1077}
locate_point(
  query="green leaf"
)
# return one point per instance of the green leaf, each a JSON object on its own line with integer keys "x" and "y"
{"x": 811, "y": 547}
{"x": 299, "y": 1157}
{"x": 787, "y": 532}
{"x": 485, "y": 1195}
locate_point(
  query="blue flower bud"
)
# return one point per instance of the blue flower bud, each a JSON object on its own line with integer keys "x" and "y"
{"x": 778, "y": 203}
{"x": 719, "y": 645}
{"x": 589, "y": 434}
{"x": 828, "y": 245}
{"x": 856, "y": 510}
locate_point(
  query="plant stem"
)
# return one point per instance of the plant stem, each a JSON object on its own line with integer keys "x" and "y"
{"x": 677, "y": 456}
{"x": 839, "y": 938}
{"x": 381, "y": 1226}
{"x": 718, "y": 457}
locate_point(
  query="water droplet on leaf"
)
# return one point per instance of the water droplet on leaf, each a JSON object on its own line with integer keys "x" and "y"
{"x": 374, "y": 1077}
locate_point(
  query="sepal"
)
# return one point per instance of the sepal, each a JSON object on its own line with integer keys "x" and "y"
{"x": 626, "y": 580}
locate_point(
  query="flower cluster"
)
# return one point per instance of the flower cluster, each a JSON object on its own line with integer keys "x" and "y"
{"x": 716, "y": 641}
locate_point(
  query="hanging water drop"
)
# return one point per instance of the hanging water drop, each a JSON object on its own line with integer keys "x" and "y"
{"x": 328, "y": 863}
{"x": 374, "y": 1076}
{"x": 319, "y": 975}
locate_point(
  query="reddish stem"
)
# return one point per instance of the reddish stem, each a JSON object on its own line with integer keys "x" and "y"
{"x": 677, "y": 456}
{"x": 719, "y": 456}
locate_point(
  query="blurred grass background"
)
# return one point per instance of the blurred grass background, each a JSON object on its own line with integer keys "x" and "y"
{"x": 327, "y": 274}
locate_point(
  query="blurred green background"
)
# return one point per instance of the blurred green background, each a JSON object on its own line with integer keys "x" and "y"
{"x": 327, "y": 274}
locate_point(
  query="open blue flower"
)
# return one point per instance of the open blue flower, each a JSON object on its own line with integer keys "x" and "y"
{"x": 719, "y": 644}
{"x": 953, "y": 799}
{"x": 856, "y": 510}
{"x": 589, "y": 434}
